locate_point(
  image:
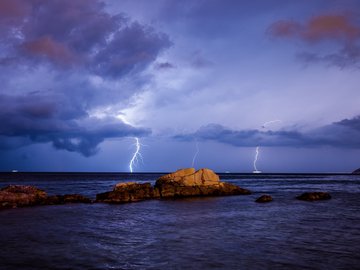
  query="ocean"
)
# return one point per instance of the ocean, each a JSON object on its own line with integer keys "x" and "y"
{"x": 199, "y": 233}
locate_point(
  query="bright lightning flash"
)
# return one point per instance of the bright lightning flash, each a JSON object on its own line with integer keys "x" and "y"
{"x": 270, "y": 122}
{"x": 195, "y": 155}
{"x": 257, "y": 150}
{"x": 136, "y": 154}
{"x": 256, "y": 158}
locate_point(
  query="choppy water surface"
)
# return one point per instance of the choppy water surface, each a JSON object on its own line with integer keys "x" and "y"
{"x": 208, "y": 233}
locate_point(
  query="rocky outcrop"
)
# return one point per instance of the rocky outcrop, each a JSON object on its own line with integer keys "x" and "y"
{"x": 264, "y": 199}
{"x": 14, "y": 196}
{"x": 182, "y": 183}
{"x": 128, "y": 192}
{"x": 188, "y": 183}
{"x": 19, "y": 196}
{"x": 356, "y": 171}
{"x": 314, "y": 196}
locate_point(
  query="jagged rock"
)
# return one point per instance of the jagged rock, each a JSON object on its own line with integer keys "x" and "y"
{"x": 264, "y": 199}
{"x": 314, "y": 196}
{"x": 188, "y": 182}
{"x": 18, "y": 196}
{"x": 128, "y": 192}
{"x": 356, "y": 171}
{"x": 190, "y": 177}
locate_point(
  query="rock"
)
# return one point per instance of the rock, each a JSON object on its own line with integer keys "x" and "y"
{"x": 67, "y": 198}
{"x": 75, "y": 198}
{"x": 19, "y": 196}
{"x": 128, "y": 192}
{"x": 188, "y": 182}
{"x": 314, "y": 196}
{"x": 190, "y": 177}
{"x": 356, "y": 171}
{"x": 52, "y": 200}
{"x": 264, "y": 199}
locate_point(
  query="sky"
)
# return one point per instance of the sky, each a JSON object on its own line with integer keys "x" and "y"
{"x": 81, "y": 79}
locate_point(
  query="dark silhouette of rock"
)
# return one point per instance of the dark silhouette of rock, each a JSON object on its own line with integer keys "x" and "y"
{"x": 356, "y": 171}
{"x": 53, "y": 200}
{"x": 264, "y": 199}
{"x": 128, "y": 192}
{"x": 314, "y": 196}
{"x": 67, "y": 198}
{"x": 19, "y": 196}
{"x": 188, "y": 183}
{"x": 75, "y": 198}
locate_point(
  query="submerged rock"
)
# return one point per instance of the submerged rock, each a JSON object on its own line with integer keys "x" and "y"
{"x": 264, "y": 199}
{"x": 128, "y": 192}
{"x": 314, "y": 196}
{"x": 188, "y": 182}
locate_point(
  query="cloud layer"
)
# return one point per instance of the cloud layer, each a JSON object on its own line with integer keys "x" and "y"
{"x": 345, "y": 133}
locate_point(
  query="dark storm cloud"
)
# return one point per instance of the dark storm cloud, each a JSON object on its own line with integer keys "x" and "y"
{"x": 77, "y": 34}
{"x": 341, "y": 29}
{"x": 353, "y": 123}
{"x": 60, "y": 61}
{"x": 345, "y": 133}
{"x": 31, "y": 119}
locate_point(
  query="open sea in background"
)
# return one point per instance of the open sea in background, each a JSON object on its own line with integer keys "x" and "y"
{"x": 199, "y": 233}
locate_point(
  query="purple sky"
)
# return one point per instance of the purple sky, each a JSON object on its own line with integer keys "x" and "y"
{"x": 81, "y": 78}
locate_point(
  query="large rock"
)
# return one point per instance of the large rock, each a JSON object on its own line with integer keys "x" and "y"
{"x": 188, "y": 182}
{"x": 190, "y": 177}
{"x": 314, "y": 196}
{"x": 356, "y": 171}
{"x": 128, "y": 192}
{"x": 19, "y": 196}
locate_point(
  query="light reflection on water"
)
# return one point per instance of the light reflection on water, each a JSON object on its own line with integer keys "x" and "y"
{"x": 204, "y": 233}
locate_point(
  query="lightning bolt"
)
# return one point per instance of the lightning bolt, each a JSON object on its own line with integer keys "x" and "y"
{"x": 270, "y": 122}
{"x": 195, "y": 155}
{"x": 256, "y": 158}
{"x": 136, "y": 154}
{"x": 257, "y": 150}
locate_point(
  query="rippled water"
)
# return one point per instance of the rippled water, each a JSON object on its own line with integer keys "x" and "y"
{"x": 208, "y": 233}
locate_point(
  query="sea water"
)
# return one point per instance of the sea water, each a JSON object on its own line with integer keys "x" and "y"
{"x": 230, "y": 232}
